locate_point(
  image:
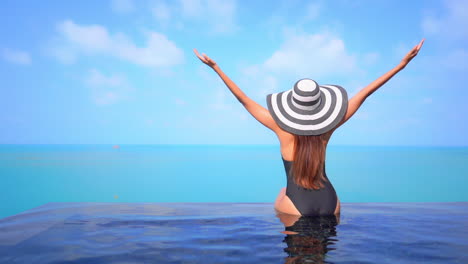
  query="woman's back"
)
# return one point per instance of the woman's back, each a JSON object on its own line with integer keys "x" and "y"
{"x": 308, "y": 202}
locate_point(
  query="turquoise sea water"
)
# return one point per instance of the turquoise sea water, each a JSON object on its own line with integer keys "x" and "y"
{"x": 33, "y": 175}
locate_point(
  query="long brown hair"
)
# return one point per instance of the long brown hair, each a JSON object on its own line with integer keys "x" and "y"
{"x": 309, "y": 159}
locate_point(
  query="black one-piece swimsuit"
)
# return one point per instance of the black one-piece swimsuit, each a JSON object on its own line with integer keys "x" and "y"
{"x": 311, "y": 202}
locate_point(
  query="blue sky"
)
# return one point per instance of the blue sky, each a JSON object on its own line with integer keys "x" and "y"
{"x": 123, "y": 72}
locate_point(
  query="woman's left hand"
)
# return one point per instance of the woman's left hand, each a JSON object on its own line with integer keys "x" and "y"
{"x": 205, "y": 59}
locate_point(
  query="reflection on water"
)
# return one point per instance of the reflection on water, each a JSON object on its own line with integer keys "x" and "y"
{"x": 308, "y": 238}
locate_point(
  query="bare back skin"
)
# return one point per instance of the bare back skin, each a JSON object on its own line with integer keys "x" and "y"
{"x": 283, "y": 203}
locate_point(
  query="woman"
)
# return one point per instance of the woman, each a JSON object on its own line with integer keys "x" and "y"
{"x": 304, "y": 118}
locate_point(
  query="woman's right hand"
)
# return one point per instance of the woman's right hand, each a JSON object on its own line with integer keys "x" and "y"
{"x": 205, "y": 59}
{"x": 411, "y": 54}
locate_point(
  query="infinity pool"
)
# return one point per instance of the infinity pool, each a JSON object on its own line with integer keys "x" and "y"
{"x": 234, "y": 233}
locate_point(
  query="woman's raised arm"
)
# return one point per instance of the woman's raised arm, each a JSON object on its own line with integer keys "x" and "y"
{"x": 256, "y": 110}
{"x": 357, "y": 100}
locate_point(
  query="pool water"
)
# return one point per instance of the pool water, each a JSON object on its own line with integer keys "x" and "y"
{"x": 89, "y": 232}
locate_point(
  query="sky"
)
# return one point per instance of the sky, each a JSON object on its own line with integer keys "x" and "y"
{"x": 124, "y": 71}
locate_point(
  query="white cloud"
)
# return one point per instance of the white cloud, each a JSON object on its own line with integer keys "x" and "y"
{"x": 107, "y": 90}
{"x": 16, "y": 56}
{"x": 321, "y": 54}
{"x": 451, "y": 24}
{"x": 122, "y": 6}
{"x": 301, "y": 54}
{"x": 75, "y": 39}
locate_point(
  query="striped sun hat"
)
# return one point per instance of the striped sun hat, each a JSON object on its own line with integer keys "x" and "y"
{"x": 308, "y": 108}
